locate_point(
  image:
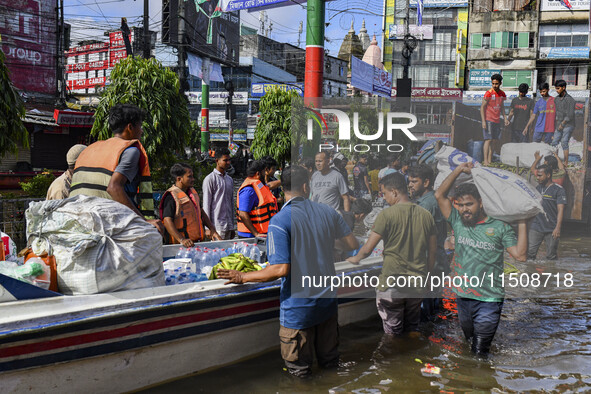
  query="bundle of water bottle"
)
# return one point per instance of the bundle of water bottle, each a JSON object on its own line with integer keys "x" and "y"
{"x": 195, "y": 264}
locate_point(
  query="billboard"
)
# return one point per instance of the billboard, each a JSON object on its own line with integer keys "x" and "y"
{"x": 225, "y": 30}
{"x": 28, "y": 29}
{"x": 428, "y": 94}
{"x": 218, "y": 98}
{"x": 558, "y": 5}
{"x": 260, "y": 89}
{"x": 423, "y": 32}
{"x": 564, "y": 53}
{"x": 361, "y": 75}
{"x": 440, "y": 3}
{"x": 482, "y": 77}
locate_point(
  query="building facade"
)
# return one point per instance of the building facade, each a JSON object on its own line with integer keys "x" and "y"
{"x": 564, "y": 43}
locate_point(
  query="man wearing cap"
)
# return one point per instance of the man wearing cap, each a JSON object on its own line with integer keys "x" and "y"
{"x": 60, "y": 187}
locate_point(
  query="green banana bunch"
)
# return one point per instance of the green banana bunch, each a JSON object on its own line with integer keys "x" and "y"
{"x": 235, "y": 261}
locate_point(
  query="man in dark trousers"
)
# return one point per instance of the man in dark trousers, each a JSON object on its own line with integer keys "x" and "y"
{"x": 546, "y": 226}
{"x": 565, "y": 117}
{"x": 480, "y": 242}
{"x": 300, "y": 242}
{"x": 410, "y": 244}
{"x": 522, "y": 108}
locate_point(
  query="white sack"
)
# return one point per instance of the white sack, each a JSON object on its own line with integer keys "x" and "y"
{"x": 525, "y": 152}
{"x": 99, "y": 245}
{"x": 448, "y": 158}
{"x": 505, "y": 195}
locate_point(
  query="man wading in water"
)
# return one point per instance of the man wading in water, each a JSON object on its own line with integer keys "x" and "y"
{"x": 479, "y": 248}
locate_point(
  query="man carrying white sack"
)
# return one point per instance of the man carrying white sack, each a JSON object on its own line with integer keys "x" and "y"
{"x": 479, "y": 250}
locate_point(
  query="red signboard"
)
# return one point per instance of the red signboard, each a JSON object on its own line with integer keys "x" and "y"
{"x": 79, "y": 67}
{"x": 116, "y": 39}
{"x": 116, "y": 55}
{"x": 28, "y": 32}
{"x": 98, "y": 47}
{"x": 434, "y": 93}
{"x": 76, "y": 84}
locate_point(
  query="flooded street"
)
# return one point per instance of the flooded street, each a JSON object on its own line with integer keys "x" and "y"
{"x": 542, "y": 344}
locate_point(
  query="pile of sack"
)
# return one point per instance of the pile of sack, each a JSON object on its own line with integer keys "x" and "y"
{"x": 99, "y": 245}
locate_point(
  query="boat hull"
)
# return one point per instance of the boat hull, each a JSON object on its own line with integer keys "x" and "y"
{"x": 133, "y": 339}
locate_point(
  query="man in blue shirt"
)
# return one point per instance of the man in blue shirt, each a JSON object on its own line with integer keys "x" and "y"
{"x": 300, "y": 244}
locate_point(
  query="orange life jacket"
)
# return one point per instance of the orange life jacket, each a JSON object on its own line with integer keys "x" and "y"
{"x": 262, "y": 213}
{"x": 95, "y": 167}
{"x": 187, "y": 217}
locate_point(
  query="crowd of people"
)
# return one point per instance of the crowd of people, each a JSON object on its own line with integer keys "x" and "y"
{"x": 553, "y": 117}
{"x": 310, "y": 213}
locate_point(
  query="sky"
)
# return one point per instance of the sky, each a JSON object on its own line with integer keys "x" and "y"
{"x": 91, "y": 18}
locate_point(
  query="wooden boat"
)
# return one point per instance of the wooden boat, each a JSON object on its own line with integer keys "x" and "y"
{"x": 128, "y": 340}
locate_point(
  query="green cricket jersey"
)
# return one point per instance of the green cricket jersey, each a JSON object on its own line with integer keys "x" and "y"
{"x": 479, "y": 256}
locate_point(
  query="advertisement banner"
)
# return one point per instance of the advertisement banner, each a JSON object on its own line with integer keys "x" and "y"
{"x": 565, "y": 53}
{"x": 361, "y": 75}
{"x": 382, "y": 83}
{"x": 90, "y": 66}
{"x": 434, "y": 93}
{"x": 440, "y": 3}
{"x": 235, "y": 5}
{"x": 225, "y": 137}
{"x": 28, "y": 33}
{"x": 86, "y": 83}
{"x": 481, "y": 77}
{"x": 423, "y": 32}
{"x": 116, "y": 39}
{"x": 219, "y": 98}
{"x": 116, "y": 55}
{"x": 558, "y": 5}
{"x": 260, "y": 89}
{"x": 73, "y": 118}
{"x": 98, "y": 47}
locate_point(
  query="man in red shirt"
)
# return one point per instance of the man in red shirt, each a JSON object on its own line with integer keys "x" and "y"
{"x": 491, "y": 109}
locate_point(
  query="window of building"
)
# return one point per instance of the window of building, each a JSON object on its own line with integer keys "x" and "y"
{"x": 563, "y": 36}
{"x": 514, "y": 78}
{"x": 440, "y": 48}
{"x": 486, "y": 41}
{"x": 569, "y": 74}
{"x": 502, "y": 39}
{"x": 341, "y": 72}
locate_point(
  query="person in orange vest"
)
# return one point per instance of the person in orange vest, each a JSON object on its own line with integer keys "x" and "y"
{"x": 118, "y": 169}
{"x": 255, "y": 202}
{"x": 181, "y": 211}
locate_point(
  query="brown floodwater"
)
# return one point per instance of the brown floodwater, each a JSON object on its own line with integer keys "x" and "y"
{"x": 543, "y": 344}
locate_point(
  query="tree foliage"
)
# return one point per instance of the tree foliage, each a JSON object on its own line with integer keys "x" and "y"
{"x": 155, "y": 89}
{"x": 12, "y": 130}
{"x": 272, "y": 136}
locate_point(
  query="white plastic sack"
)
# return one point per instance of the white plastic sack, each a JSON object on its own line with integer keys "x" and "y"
{"x": 99, "y": 245}
{"x": 525, "y": 152}
{"x": 448, "y": 158}
{"x": 505, "y": 195}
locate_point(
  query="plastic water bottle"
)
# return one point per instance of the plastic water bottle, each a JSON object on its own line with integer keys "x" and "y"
{"x": 243, "y": 249}
{"x": 196, "y": 257}
{"x": 201, "y": 277}
{"x": 255, "y": 253}
{"x": 216, "y": 255}
{"x": 180, "y": 253}
{"x": 233, "y": 249}
{"x": 182, "y": 278}
{"x": 204, "y": 261}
